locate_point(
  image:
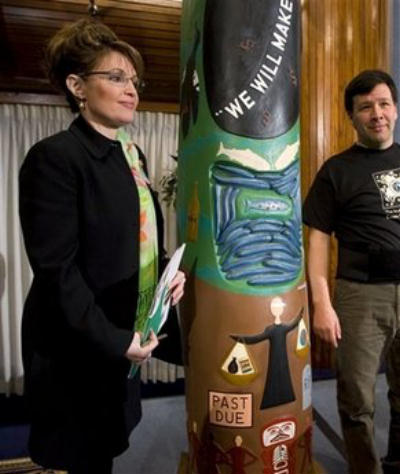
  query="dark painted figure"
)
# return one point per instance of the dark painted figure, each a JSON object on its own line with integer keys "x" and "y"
{"x": 278, "y": 385}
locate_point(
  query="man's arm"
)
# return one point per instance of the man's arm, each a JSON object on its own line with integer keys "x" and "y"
{"x": 325, "y": 322}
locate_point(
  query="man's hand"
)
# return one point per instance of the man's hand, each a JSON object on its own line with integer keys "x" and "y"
{"x": 141, "y": 353}
{"x": 326, "y": 324}
{"x": 325, "y": 321}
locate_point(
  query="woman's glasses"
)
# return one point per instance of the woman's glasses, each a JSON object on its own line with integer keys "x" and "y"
{"x": 118, "y": 78}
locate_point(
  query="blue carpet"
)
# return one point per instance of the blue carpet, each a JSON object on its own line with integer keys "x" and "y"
{"x": 14, "y": 421}
{"x": 162, "y": 431}
{"x": 14, "y": 441}
{"x": 14, "y": 427}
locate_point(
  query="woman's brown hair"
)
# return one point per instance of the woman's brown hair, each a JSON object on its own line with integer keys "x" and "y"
{"x": 76, "y": 49}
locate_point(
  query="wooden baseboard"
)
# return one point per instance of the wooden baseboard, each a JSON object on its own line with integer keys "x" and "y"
{"x": 23, "y": 466}
{"x": 318, "y": 469}
{"x": 183, "y": 464}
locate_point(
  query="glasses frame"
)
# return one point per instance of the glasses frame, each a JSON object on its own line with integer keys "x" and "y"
{"x": 137, "y": 83}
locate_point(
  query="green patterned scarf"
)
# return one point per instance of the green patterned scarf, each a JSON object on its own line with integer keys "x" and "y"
{"x": 148, "y": 244}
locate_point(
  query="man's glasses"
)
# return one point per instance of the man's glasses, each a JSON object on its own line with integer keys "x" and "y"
{"x": 118, "y": 78}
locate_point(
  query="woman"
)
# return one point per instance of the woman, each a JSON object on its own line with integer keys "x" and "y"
{"x": 92, "y": 233}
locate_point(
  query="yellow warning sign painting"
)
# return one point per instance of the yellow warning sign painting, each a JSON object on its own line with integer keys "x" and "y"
{"x": 238, "y": 368}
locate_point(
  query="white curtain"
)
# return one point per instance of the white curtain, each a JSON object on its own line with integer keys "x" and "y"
{"x": 20, "y": 127}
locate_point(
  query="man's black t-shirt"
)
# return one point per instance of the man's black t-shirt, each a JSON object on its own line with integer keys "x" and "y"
{"x": 356, "y": 195}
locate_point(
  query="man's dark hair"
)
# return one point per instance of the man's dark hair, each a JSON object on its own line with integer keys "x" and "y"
{"x": 364, "y": 82}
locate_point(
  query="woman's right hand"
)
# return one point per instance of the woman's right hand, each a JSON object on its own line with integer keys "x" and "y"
{"x": 141, "y": 353}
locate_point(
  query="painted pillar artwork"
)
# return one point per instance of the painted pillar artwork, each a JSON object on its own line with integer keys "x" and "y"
{"x": 244, "y": 315}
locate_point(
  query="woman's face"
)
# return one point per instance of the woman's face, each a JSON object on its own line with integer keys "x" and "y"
{"x": 109, "y": 94}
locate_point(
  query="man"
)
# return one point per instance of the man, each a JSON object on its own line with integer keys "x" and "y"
{"x": 356, "y": 196}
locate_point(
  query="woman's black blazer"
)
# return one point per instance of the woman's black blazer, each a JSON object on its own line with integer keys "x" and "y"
{"x": 79, "y": 211}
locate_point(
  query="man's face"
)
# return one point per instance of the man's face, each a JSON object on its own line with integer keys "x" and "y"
{"x": 374, "y": 117}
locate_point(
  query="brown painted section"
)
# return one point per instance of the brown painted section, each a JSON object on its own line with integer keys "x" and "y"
{"x": 207, "y": 324}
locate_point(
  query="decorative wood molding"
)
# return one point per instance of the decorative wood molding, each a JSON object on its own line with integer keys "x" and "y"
{"x": 53, "y": 99}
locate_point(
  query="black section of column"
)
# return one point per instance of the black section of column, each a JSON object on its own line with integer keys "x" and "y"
{"x": 251, "y": 54}
{"x": 190, "y": 90}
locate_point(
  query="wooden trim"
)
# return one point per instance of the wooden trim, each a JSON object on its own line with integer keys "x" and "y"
{"x": 31, "y": 99}
{"x": 172, "y": 8}
{"x": 53, "y": 99}
{"x": 166, "y": 107}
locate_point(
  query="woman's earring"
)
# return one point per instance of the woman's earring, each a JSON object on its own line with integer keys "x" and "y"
{"x": 81, "y": 104}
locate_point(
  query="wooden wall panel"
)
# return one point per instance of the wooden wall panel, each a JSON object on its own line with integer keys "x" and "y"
{"x": 340, "y": 38}
{"x": 152, "y": 26}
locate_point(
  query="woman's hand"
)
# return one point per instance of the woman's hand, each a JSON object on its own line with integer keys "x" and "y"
{"x": 176, "y": 287}
{"x": 141, "y": 353}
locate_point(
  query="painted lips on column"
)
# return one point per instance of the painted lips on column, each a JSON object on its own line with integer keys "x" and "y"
{"x": 250, "y": 64}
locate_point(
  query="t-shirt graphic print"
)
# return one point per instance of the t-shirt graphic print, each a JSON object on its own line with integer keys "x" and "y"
{"x": 388, "y": 183}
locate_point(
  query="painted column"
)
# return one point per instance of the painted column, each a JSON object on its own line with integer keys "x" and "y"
{"x": 244, "y": 315}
